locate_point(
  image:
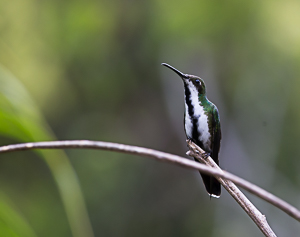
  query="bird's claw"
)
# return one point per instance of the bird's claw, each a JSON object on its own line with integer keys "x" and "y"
{"x": 206, "y": 155}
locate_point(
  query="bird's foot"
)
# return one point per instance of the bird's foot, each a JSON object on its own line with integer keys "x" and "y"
{"x": 205, "y": 155}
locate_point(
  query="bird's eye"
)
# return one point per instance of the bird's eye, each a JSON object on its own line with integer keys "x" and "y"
{"x": 197, "y": 81}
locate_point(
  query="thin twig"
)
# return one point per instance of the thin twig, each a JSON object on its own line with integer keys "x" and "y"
{"x": 281, "y": 204}
{"x": 258, "y": 218}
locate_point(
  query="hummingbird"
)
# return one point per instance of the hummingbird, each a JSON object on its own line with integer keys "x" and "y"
{"x": 201, "y": 124}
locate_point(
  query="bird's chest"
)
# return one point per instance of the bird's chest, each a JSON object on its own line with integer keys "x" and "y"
{"x": 197, "y": 125}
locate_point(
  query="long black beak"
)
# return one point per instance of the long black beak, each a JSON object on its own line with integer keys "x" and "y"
{"x": 182, "y": 75}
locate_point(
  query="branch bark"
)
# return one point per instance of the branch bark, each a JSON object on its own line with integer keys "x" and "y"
{"x": 194, "y": 151}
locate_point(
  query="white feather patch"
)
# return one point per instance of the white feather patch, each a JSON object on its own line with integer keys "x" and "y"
{"x": 199, "y": 113}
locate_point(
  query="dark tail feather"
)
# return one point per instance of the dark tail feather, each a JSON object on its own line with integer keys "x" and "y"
{"x": 212, "y": 185}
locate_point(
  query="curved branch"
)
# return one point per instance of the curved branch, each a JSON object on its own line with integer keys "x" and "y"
{"x": 254, "y": 189}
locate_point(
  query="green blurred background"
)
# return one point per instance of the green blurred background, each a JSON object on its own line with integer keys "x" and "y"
{"x": 77, "y": 69}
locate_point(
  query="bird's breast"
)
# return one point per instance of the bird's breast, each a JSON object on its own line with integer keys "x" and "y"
{"x": 197, "y": 127}
{"x": 196, "y": 119}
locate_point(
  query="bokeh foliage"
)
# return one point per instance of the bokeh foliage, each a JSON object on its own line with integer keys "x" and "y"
{"x": 77, "y": 69}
